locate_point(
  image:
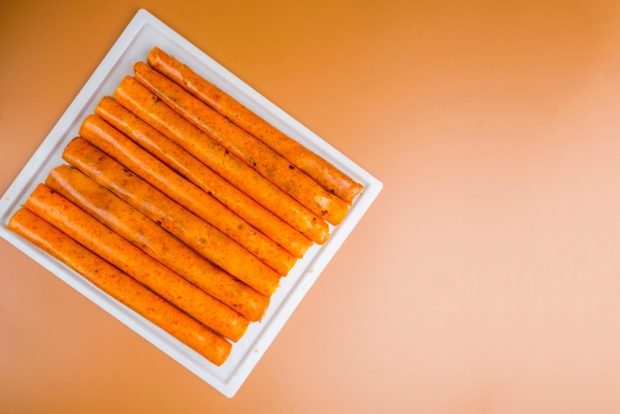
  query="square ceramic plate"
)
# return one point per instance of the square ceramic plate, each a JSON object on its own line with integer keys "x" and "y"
{"x": 143, "y": 33}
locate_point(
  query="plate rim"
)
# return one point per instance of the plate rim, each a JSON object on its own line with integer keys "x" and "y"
{"x": 125, "y": 315}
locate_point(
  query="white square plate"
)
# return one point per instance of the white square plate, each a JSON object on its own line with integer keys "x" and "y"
{"x": 143, "y": 33}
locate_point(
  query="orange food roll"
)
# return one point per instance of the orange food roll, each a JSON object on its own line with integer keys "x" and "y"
{"x": 120, "y": 286}
{"x": 180, "y": 222}
{"x": 139, "y": 100}
{"x": 201, "y": 175}
{"x": 118, "y": 146}
{"x": 90, "y": 233}
{"x": 324, "y": 173}
{"x": 153, "y": 239}
{"x": 263, "y": 159}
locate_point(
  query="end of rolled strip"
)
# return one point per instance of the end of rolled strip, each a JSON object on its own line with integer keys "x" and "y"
{"x": 154, "y": 55}
{"x": 221, "y": 355}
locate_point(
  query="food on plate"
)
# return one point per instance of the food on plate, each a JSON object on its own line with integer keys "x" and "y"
{"x": 255, "y": 153}
{"x": 120, "y": 286}
{"x": 142, "y": 102}
{"x": 150, "y": 237}
{"x": 90, "y": 233}
{"x": 201, "y": 175}
{"x": 332, "y": 179}
{"x": 118, "y": 146}
{"x": 184, "y": 205}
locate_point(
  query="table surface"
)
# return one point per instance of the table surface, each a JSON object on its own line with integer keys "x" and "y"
{"x": 483, "y": 280}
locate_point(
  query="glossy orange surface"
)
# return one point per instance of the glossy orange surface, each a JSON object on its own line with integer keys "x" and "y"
{"x": 483, "y": 280}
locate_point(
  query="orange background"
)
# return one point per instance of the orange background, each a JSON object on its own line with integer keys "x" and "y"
{"x": 483, "y": 280}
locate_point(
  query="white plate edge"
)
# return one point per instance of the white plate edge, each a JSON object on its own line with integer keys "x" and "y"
{"x": 229, "y": 388}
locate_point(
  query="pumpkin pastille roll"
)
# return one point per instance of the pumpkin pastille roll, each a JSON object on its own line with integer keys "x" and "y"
{"x": 134, "y": 226}
{"x": 257, "y": 155}
{"x": 150, "y": 237}
{"x": 180, "y": 222}
{"x": 187, "y": 165}
{"x": 324, "y": 173}
{"x": 120, "y": 286}
{"x": 118, "y": 146}
{"x": 143, "y": 103}
{"x": 93, "y": 235}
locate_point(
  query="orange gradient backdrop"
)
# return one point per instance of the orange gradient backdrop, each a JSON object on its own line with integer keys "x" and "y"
{"x": 485, "y": 278}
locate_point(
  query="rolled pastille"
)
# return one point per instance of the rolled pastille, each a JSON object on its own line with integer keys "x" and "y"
{"x": 201, "y": 175}
{"x": 121, "y": 286}
{"x": 154, "y": 240}
{"x": 118, "y": 146}
{"x": 324, "y": 173}
{"x": 139, "y": 100}
{"x": 245, "y": 146}
{"x": 90, "y": 233}
{"x": 134, "y": 202}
